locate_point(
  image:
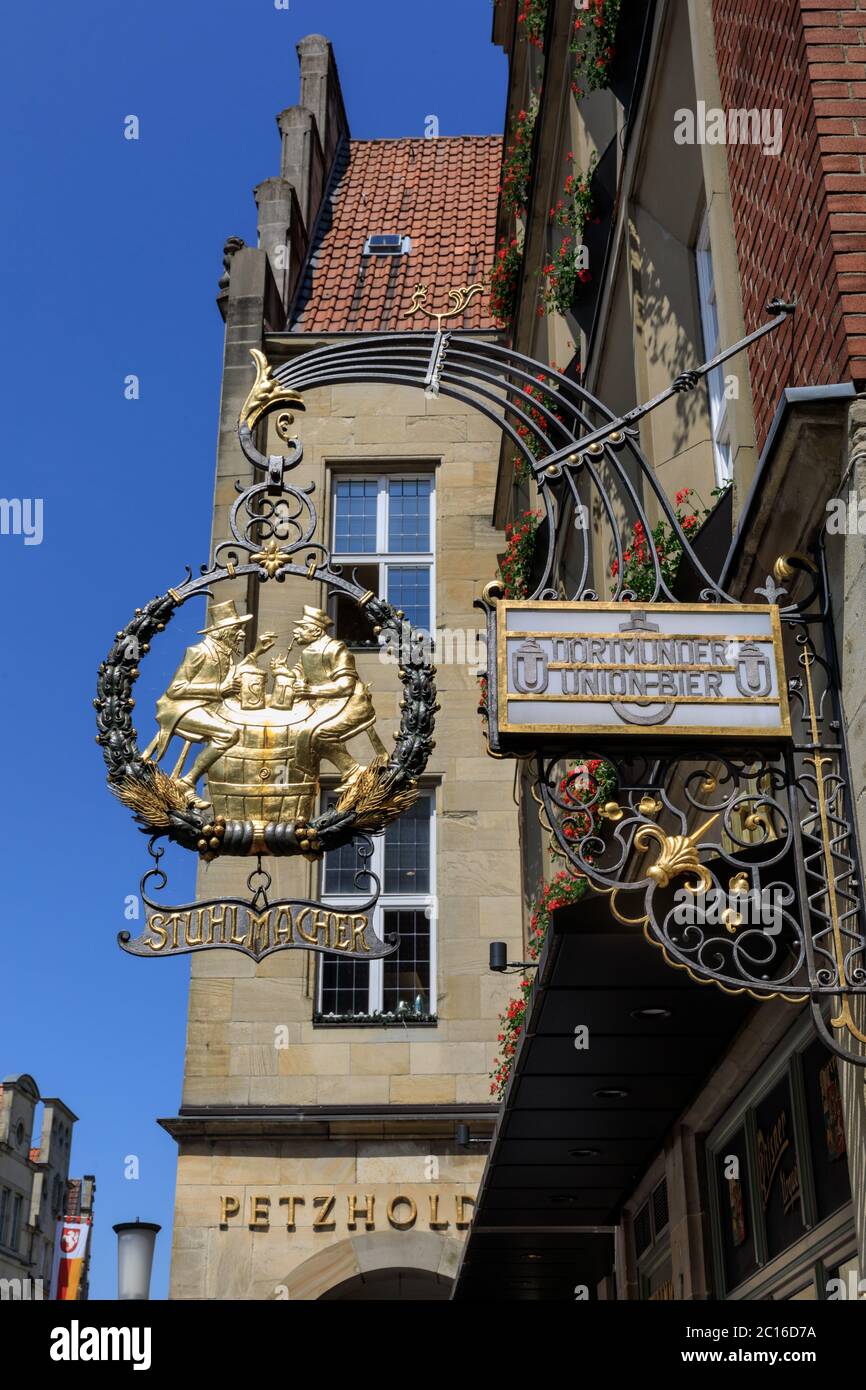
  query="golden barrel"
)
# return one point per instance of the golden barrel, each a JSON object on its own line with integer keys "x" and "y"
{"x": 270, "y": 773}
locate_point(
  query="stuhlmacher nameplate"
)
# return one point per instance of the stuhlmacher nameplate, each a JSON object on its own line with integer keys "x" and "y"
{"x": 669, "y": 669}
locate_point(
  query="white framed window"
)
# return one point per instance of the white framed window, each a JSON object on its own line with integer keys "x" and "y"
{"x": 716, "y": 380}
{"x": 383, "y": 530}
{"x": 404, "y": 861}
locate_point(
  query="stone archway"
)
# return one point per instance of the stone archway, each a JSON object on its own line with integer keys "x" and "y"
{"x": 372, "y": 1253}
{"x": 393, "y": 1286}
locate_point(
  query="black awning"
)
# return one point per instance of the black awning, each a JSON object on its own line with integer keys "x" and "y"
{"x": 579, "y": 1126}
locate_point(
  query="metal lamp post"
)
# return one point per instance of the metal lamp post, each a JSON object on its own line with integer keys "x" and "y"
{"x": 135, "y": 1245}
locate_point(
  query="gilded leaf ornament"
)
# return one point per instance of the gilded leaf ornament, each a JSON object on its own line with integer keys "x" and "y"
{"x": 679, "y": 855}
{"x": 264, "y": 393}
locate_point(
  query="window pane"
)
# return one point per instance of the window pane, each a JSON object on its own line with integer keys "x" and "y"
{"x": 735, "y": 1211}
{"x": 826, "y": 1129}
{"x": 778, "y": 1169}
{"x": 723, "y": 452}
{"x": 409, "y": 514}
{"x": 345, "y": 983}
{"x": 709, "y": 311}
{"x": 407, "y": 850}
{"x": 407, "y": 973}
{"x": 350, "y": 622}
{"x": 342, "y": 864}
{"x": 345, "y": 986}
{"x": 409, "y": 589}
{"x": 355, "y": 515}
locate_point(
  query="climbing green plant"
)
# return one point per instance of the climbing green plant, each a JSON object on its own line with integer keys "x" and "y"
{"x": 517, "y": 162}
{"x": 516, "y": 564}
{"x": 592, "y": 43}
{"x": 566, "y": 270}
{"x": 503, "y": 279}
{"x": 638, "y": 572}
{"x": 531, "y": 21}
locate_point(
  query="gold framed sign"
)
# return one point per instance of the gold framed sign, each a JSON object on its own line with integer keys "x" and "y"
{"x": 665, "y": 670}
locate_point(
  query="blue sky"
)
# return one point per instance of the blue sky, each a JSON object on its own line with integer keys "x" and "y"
{"x": 111, "y": 256}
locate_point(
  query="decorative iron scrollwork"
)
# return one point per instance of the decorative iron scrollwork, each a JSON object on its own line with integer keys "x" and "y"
{"x": 784, "y": 822}
{"x": 773, "y": 824}
{"x": 767, "y": 840}
{"x": 273, "y": 524}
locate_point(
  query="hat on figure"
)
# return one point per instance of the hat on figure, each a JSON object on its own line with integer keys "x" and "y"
{"x": 225, "y": 615}
{"x": 317, "y": 615}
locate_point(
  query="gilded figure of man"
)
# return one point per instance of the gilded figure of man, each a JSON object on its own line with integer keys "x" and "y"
{"x": 208, "y": 674}
{"x": 326, "y": 675}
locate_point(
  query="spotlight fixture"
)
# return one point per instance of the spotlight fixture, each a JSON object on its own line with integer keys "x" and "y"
{"x": 463, "y": 1138}
{"x": 651, "y": 1015}
{"x": 498, "y": 959}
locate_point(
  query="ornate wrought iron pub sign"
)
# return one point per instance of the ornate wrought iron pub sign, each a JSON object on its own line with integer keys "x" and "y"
{"x": 263, "y": 733}
{"x": 721, "y": 721}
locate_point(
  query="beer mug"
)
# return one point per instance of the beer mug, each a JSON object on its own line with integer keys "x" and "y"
{"x": 284, "y": 690}
{"x": 252, "y": 689}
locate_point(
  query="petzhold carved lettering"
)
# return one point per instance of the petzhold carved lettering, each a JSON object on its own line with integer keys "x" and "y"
{"x": 324, "y": 1211}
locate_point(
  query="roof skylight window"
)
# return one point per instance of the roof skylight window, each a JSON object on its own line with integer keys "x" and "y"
{"x": 387, "y": 244}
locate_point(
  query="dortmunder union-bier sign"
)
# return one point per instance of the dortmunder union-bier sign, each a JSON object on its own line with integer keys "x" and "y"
{"x": 668, "y": 669}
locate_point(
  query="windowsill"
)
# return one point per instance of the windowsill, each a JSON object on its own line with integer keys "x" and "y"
{"x": 375, "y": 1021}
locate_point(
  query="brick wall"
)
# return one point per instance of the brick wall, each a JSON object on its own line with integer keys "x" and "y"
{"x": 800, "y": 216}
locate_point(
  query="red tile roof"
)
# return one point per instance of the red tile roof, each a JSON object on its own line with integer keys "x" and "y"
{"x": 442, "y": 193}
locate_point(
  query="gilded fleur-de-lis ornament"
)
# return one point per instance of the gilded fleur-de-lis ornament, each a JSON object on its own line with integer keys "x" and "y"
{"x": 679, "y": 855}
